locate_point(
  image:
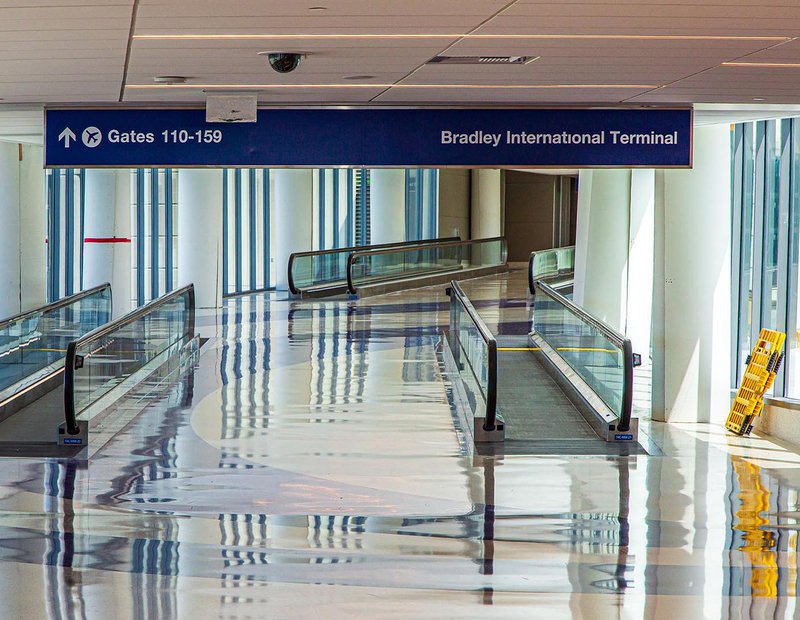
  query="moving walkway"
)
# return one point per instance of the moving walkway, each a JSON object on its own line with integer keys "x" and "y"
{"x": 376, "y": 269}
{"x": 568, "y": 383}
{"x": 64, "y": 365}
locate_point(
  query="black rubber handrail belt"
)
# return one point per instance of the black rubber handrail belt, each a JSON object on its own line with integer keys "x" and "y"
{"x": 61, "y": 303}
{"x": 70, "y": 416}
{"x": 617, "y": 339}
{"x": 530, "y": 264}
{"x": 355, "y": 248}
{"x": 491, "y": 343}
{"x": 351, "y": 288}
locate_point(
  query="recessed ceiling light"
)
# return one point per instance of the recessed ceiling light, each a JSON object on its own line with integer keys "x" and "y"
{"x": 169, "y": 79}
{"x": 359, "y": 77}
{"x": 759, "y": 99}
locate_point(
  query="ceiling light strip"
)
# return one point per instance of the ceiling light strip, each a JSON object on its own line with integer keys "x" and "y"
{"x": 615, "y": 37}
{"x": 763, "y": 65}
{"x": 378, "y": 86}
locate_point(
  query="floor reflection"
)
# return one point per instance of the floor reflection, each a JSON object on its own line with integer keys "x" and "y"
{"x": 310, "y": 464}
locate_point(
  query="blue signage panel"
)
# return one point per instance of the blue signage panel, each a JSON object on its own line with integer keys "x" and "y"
{"x": 372, "y": 137}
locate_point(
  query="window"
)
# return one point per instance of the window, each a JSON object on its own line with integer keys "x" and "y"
{"x": 766, "y": 232}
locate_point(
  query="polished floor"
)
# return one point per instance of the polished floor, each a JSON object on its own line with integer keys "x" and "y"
{"x": 313, "y": 466}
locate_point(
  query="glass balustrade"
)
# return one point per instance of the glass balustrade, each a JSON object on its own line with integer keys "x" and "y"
{"x": 101, "y": 360}
{"x": 33, "y": 345}
{"x": 375, "y": 267}
{"x": 597, "y": 354}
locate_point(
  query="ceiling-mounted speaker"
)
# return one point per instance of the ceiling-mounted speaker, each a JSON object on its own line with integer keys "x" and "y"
{"x": 231, "y": 108}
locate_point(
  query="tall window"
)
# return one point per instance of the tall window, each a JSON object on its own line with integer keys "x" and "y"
{"x": 64, "y": 232}
{"x": 154, "y": 204}
{"x": 766, "y": 235}
{"x": 246, "y": 231}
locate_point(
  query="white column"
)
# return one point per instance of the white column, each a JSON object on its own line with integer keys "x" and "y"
{"x": 640, "y": 261}
{"x": 200, "y": 234}
{"x": 692, "y": 292}
{"x": 387, "y": 205}
{"x": 293, "y": 218}
{"x": 33, "y": 227}
{"x": 107, "y": 228}
{"x": 601, "y": 250}
{"x": 9, "y": 230}
{"x": 487, "y": 202}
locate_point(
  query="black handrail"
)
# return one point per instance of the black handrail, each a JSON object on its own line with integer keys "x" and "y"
{"x": 457, "y": 296}
{"x": 351, "y": 288}
{"x": 55, "y": 305}
{"x": 617, "y": 339}
{"x": 69, "y": 363}
{"x": 354, "y": 248}
{"x": 530, "y": 264}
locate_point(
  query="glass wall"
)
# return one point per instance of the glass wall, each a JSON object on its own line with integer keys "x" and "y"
{"x": 64, "y": 232}
{"x": 341, "y": 218}
{"x": 154, "y": 234}
{"x": 766, "y": 210}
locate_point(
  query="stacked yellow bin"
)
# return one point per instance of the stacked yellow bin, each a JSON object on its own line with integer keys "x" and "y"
{"x": 762, "y": 366}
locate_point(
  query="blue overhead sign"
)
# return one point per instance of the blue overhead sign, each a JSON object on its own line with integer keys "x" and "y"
{"x": 372, "y": 137}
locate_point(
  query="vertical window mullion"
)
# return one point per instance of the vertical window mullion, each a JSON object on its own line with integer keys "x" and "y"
{"x": 737, "y": 193}
{"x": 251, "y": 186}
{"x": 154, "y": 234}
{"x": 225, "y": 232}
{"x": 69, "y": 232}
{"x": 783, "y": 232}
{"x": 81, "y": 220}
{"x": 168, "y": 231}
{"x": 758, "y": 229}
{"x": 237, "y": 201}
{"x": 336, "y": 173}
{"x": 54, "y": 238}
{"x": 433, "y": 204}
{"x": 140, "y": 240}
{"x": 321, "y": 209}
{"x": 267, "y": 244}
{"x": 350, "y": 228}
{"x": 790, "y": 385}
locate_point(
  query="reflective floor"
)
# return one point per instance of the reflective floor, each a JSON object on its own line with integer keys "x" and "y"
{"x": 312, "y": 466}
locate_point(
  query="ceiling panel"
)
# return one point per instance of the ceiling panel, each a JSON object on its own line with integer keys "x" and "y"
{"x": 75, "y": 50}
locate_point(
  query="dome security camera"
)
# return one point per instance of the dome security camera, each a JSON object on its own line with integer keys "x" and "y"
{"x": 283, "y": 62}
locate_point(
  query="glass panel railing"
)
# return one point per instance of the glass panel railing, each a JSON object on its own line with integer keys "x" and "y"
{"x": 598, "y": 354}
{"x": 374, "y": 267}
{"x": 99, "y": 361}
{"x": 551, "y": 263}
{"x": 328, "y": 268}
{"x": 474, "y": 351}
{"x": 34, "y": 344}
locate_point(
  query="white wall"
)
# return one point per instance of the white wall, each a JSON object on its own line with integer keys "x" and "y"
{"x": 486, "y": 219}
{"x": 294, "y": 202}
{"x": 601, "y": 252}
{"x": 387, "y": 205}
{"x": 33, "y": 228}
{"x": 692, "y": 292}
{"x": 9, "y": 230}
{"x": 200, "y": 234}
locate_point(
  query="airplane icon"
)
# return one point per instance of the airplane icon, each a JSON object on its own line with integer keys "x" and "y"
{"x": 91, "y": 137}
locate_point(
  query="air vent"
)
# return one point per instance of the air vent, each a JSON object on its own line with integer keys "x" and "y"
{"x": 482, "y": 60}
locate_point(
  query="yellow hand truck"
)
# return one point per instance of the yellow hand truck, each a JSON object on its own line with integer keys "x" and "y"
{"x": 763, "y": 365}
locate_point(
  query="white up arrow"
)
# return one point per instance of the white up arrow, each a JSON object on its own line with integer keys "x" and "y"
{"x": 67, "y": 135}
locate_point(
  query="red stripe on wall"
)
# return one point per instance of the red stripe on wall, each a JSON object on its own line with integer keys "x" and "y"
{"x": 106, "y": 240}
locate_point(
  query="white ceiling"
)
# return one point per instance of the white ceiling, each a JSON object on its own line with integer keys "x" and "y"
{"x": 591, "y": 51}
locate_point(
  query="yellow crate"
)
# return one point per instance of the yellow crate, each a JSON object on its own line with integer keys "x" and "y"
{"x": 757, "y": 379}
